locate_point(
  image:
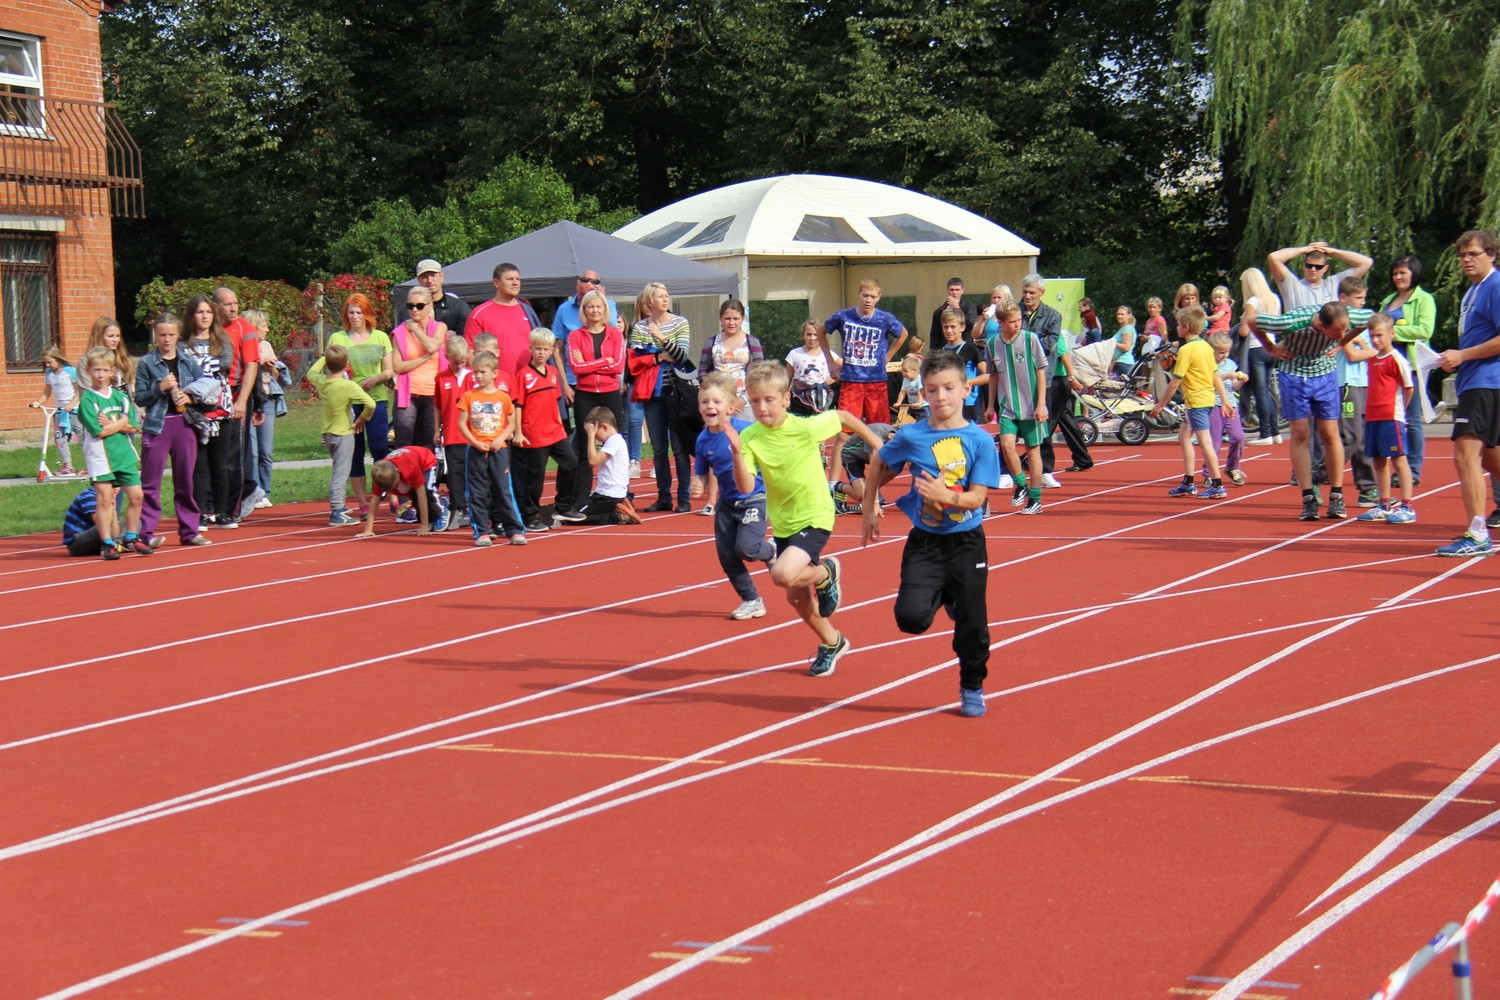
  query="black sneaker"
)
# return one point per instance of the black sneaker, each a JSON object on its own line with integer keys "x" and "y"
{"x": 109, "y": 554}
{"x": 1336, "y": 511}
{"x": 536, "y": 525}
{"x": 1018, "y": 495}
{"x": 1493, "y": 521}
{"x": 1310, "y": 509}
{"x": 570, "y": 516}
{"x": 662, "y": 506}
{"x": 828, "y": 591}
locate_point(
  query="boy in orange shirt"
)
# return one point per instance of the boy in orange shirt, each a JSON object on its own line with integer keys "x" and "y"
{"x": 488, "y": 420}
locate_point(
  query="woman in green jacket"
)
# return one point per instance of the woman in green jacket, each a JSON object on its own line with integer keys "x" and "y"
{"x": 1415, "y": 314}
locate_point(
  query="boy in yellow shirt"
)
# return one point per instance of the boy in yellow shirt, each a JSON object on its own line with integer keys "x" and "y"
{"x": 1197, "y": 372}
{"x": 340, "y": 394}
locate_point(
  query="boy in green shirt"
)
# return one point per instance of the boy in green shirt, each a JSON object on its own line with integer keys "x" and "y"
{"x": 109, "y": 418}
{"x": 787, "y": 453}
{"x": 340, "y": 394}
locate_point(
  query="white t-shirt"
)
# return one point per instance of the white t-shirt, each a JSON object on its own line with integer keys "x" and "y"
{"x": 614, "y": 472}
{"x": 1296, "y": 292}
{"x": 809, "y": 369}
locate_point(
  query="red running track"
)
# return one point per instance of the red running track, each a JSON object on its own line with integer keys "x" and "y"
{"x": 1228, "y": 754}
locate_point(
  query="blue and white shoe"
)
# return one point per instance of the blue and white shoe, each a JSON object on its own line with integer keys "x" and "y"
{"x": 1401, "y": 515}
{"x": 1465, "y": 545}
{"x": 1378, "y": 514}
{"x": 971, "y": 703}
{"x": 1208, "y": 492}
{"x": 1183, "y": 490}
{"x": 441, "y": 524}
{"x": 340, "y": 518}
{"x": 828, "y": 591}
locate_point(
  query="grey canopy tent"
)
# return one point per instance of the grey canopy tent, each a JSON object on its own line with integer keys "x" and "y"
{"x": 551, "y": 259}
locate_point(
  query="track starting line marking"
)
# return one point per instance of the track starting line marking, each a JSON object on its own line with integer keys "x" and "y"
{"x": 699, "y": 945}
{"x": 247, "y": 920}
{"x": 1171, "y": 779}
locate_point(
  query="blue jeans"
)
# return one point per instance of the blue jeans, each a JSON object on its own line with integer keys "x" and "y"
{"x": 1416, "y": 435}
{"x": 1262, "y": 370}
{"x": 375, "y": 436}
{"x": 635, "y": 416}
{"x": 261, "y": 444}
{"x": 658, "y": 424}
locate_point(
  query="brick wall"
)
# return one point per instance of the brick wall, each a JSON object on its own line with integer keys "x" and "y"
{"x": 69, "y": 33}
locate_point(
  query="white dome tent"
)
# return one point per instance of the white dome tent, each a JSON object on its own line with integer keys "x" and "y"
{"x": 803, "y": 242}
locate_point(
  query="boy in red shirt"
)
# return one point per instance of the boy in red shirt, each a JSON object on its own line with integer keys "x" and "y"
{"x": 488, "y": 420}
{"x": 448, "y": 390}
{"x": 542, "y": 436}
{"x": 1391, "y": 388}
{"x": 408, "y": 472}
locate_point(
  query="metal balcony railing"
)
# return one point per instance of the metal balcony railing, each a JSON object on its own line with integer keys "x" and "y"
{"x": 67, "y": 157}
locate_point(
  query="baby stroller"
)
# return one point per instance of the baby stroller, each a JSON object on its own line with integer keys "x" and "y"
{"x": 1112, "y": 405}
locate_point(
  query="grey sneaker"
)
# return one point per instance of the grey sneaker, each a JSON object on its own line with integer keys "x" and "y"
{"x": 1336, "y": 511}
{"x": 247, "y": 505}
{"x": 753, "y": 608}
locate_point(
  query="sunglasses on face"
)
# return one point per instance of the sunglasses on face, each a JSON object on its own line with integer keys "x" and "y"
{"x": 590, "y": 281}
{"x": 1315, "y": 267}
{"x": 417, "y": 305}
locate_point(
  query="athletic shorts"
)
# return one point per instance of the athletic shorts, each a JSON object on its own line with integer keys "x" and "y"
{"x": 1317, "y": 396}
{"x": 1198, "y": 417}
{"x": 856, "y": 467}
{"x": 1028, "y": 431}
{"x": 1478, "y": 415}
{"x": 809, "y": 540}
{"x": 120, "y": 478}
{"x": 869, "y": 401}
{"x": 1385, "y": 438}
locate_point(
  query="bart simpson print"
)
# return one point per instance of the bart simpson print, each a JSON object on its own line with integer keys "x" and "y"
{"x": 953, "y": 468}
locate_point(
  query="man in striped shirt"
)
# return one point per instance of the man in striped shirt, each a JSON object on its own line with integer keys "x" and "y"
{"x": 1306, "y": 340}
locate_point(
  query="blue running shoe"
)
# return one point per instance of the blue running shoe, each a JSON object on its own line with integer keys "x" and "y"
{"x": 1211, "y": 493}
{"x": 441, "y": 524}
{"x": 971, "y": 703}
{"x": 1401, "y": 515}
{"x": 828, "y": 590}
{"x": 1183, "y": 490}
{"x": 1378, "y": 514}
{"x": 827, "y": 657}
{"x": 1466, "y": 545}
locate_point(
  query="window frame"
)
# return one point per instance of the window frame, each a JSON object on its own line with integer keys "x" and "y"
{"x": 34, "y": 85}
{"x": 47, "y": 270}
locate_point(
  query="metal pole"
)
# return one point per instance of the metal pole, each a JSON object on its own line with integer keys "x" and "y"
{"x": 1463, "y": 987}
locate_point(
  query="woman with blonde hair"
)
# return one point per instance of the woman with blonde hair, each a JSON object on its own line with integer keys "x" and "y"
{"x": 1256, "y": 292}
{"x": 658, "y": 347}
{"x": 106, "y": 334}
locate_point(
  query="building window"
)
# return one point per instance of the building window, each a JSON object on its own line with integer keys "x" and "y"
{"x": 714, "y": 232}
{"x": 20, "y": 83}
{"x": 826, "y": 229}
{"x": 910, "y": 229}
{"x": 28, "y": 297}
{"x": 666, "y": 235}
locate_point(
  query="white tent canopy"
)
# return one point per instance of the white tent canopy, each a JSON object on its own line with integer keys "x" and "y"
{"x": 801, "y": 243}
{"x": 813, "y": 215}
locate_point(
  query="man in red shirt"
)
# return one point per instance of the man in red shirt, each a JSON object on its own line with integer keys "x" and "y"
{"x": 509, "y": 318}
{"x": 242, "y": 378}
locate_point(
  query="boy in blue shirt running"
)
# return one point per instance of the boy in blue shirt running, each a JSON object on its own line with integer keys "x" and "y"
{"x": 945, "y": 563}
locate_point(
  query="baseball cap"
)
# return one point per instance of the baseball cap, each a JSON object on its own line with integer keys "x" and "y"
{"x": 427, "y": 266}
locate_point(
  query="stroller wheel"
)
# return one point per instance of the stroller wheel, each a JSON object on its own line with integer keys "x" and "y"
{"x": 1089, "y": 430}
{"x": 1133, "y": 431}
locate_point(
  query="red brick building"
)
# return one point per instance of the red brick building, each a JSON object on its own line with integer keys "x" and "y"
{"x": 67, "y": 166}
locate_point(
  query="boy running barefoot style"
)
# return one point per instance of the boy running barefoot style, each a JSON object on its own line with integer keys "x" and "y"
{"x": 1390, "y": 390}
{"x": 1020, "y": 384}
{"x": 739, "y": 519}
{"x": 1197, "y": 373}
{"x": 945, "y": 563}
{"x": 786, "y": 452}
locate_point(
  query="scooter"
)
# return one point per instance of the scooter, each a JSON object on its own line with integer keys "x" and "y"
{"x": 43, "y": 473}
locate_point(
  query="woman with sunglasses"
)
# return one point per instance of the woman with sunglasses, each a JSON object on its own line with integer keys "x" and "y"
{"x": 371, "y": 364}
{"x": 418, "y": 344}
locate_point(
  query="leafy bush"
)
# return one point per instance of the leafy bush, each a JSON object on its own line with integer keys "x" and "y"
{"x": 289, "y": 309}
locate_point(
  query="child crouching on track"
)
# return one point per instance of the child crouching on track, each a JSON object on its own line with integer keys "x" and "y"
{"x": 607, "y": 452}
{"x": 944, "y": 564}
{"x": 1198, "y": 374}
{"x": 340, "y": 394}
{"x": 487, "y": 420}
{"x": 739, "y": 518}
{"x": 1389, "y": 391}
{"x": 408, "y": 472}
{"x": 786, "y": 452}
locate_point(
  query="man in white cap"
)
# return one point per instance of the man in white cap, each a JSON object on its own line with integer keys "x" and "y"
{"x": 446, "y": 307}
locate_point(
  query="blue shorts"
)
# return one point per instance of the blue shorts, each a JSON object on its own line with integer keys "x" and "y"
{"x": 1317, "y": 396}
{"x": 1198, "y": 417}
{"x": 1385, "y": 438}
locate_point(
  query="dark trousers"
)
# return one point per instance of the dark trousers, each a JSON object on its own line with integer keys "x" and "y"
{"x": 1060, "y": 414}
{"x": 178, "y": 442}
{"x": 948, "y": 570}
{"x": 536, "y": 476}
{"x": 658, "y": 425}
{"x": 600, "y": 509}
{"x": 455, "y": 467}
{"x": 740, "y": 536}
{"x": 374, "y": 436}
{"x": 218, "y": 477}
{"x": 417, "y": 423}
{"x": 86, "y": 543}
{"x": 490, "y": 509}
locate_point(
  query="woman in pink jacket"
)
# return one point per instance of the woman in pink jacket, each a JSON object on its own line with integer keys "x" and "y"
{"x": 596, "y": 352}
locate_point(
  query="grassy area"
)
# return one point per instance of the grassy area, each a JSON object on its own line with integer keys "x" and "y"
{"x": 39, "y": 507}
{"x": 297, "y": 439}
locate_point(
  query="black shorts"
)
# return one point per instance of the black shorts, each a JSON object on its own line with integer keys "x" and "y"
{"x": 1478, "y": 415}
{"x": 809, "y": 540}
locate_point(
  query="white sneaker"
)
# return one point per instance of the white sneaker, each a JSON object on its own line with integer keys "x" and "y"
{"x": 262, "y": 503}
{"x": 635, "y": 470}
{"x": 755, "y": 608}
{"x": 1006, "y": 482}
{"x": 1265, "y": 441}
{"x": 1049, "y": 481}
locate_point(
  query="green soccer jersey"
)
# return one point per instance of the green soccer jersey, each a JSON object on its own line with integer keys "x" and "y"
{"x": 107, "y": 455}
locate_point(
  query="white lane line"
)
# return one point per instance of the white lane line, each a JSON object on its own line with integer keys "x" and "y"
{"x": 334, "y": 612}
{"x": 1419, "y": 819}
{"x": 959, "y": 818}
{"x": 938, "y": 847}
{"x": 1312, "y": 931}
